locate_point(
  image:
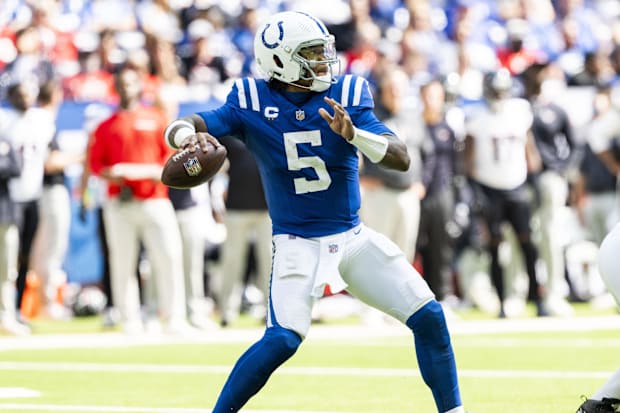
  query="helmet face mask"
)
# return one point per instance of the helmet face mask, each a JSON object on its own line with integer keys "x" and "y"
{"x": 297, "y": 49}
{"x": 318, "y": 63}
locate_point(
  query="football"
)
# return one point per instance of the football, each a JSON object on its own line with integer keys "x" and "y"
{"x": 186, "y": 169}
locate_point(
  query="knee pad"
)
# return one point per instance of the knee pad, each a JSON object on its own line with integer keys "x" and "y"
{"x": 282, "y": 341}
{"x": 429, "y": 324}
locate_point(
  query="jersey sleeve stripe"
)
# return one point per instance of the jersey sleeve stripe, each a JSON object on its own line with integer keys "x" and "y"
{"x": 254, "y": 95}
{"x": 357, "y": 92}
{"x": 243, "y": 102}
{"x": 346, "y": 85}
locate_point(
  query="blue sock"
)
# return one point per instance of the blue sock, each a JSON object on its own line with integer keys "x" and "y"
{"x": 255, "y": 366}
{"x": 435, "y": 355}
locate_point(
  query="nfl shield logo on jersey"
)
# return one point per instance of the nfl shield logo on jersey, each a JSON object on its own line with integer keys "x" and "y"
{"x": 192, "y": 166}
{"x": 333, "y": 248}
{"x": 300, "y": 114}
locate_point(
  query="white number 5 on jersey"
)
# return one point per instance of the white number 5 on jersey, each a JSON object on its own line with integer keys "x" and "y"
{"x": 296, "y": 162}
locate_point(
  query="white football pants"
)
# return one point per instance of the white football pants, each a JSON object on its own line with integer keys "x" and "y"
{"x": 364, "y": 262}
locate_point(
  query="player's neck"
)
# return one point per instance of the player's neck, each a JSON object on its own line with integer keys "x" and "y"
{"x": 289, "y": 87}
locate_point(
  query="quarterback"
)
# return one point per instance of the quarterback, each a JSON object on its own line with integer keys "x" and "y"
{"x": 305, "y": 125}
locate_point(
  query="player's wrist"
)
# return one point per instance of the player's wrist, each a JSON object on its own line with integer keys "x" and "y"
{"x": 370, "y": 144}
{"x": 177, "y": 132}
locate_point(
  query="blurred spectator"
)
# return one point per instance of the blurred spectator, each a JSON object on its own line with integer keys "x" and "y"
{"x": 436, "y": 241}
{"x": 190, "y": 210}
{"x": 32, "y": 143}
{"x": 555, "y": 140}
{"x": 517, "y": 55}
{"x": 422, "y": 36}
{"x": 52, "y": 239}
{"x": 544, "y": 33}
{"x": 56, "y": 35}
{"x": 110, "y": 52}
{"x": 206, "y": 66}
{"x": 500, "y": 153}
{"x": 243, "y": 38}
{"x": 127, "y": 151}
{"x": 361, "y": 57}
{"x": 193, "y": 215}
{"x": 109, "y": 15}
{"x": 93, "y": 192}
{"x": 140, "y": 60}
{"x": 391, "y": 199}
{"x": 601, "y": 209}
{"x": 596, "y": 196}
{"x": 166, "y": 65}
{"x": 570, "y": 57}
{"x": 157, "y": 18}
{"x": 10, "y": 167}
{"x": 585, "y": 21}
{"x": 31, "y": 65}
{"x": 92, "y": 82}
{"x": 247, "y": 223}
{"x": 597, "y": 70}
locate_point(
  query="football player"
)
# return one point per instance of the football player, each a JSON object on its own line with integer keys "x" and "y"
{"x": 499, "y": 153}
{"x": 305, "y": 125}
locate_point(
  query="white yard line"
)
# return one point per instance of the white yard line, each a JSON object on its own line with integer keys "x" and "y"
{"x": 354, "y": 334}
{"x": 293, "y": 371}
{"x": 122, "y": 409}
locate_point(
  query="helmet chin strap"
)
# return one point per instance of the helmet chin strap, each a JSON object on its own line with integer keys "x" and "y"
{"x": 321, "y": 83}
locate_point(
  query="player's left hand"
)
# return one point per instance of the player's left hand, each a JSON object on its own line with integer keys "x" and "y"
{"x": 341, "y": 121}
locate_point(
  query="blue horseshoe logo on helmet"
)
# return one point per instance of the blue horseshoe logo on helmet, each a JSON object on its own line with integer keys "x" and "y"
{"x": 280, "y": 36}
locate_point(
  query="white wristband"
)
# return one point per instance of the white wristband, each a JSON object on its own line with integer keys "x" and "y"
{"x": 370, "y": 144}
{"x": 184, "y": 130}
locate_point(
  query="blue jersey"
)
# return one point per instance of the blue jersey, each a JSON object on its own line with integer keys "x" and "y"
{"x": 309, "y": 173}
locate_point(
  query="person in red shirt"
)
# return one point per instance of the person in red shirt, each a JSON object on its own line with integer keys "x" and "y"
{"x": 128, "y": 152}
{"x": 92, "y": 82}
{"x": 517, "y": 55}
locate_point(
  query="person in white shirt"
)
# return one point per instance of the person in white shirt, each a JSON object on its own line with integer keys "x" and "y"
{"x": 29, "y": 129}
{"x": 499, "y": 153}
{"x": 10, "y": 167}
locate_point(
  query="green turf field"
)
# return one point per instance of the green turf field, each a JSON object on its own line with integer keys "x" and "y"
{"x": 533, "y": 366}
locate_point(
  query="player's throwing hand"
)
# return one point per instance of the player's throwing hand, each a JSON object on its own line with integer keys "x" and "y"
{"x": 200, "y": 139}
{"x": 341, "y": 121}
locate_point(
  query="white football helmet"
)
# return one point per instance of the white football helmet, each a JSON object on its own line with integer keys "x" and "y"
{"x": 290, "y": 45}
